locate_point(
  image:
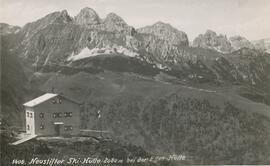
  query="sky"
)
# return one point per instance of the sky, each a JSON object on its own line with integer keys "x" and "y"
{"x": 248, "y": 18}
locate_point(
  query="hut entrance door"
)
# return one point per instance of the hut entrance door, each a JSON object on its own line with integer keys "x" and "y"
{"x": 57, "y": 128}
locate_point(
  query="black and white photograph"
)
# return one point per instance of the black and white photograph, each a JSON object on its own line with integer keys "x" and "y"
{"x": 134, "y": 82}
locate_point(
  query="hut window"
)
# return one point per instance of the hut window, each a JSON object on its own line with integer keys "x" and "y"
{"x": 41, "y": 127}
{"x": 41, "y": 115}
{"x": 68, "y": 114}
{"x": 59, "y": 100}
{"x": 31, "y": 115}
{"x": 27, "y": 114}
{"x": 68, "y": 128}
{"x": 53, "y": 101}
{"x": 57, "y": 115}
{"x": 28, "y": 127}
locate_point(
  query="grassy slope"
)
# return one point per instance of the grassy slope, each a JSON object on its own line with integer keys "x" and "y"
{"x": 13, "y": 89}
{"x": 163, "y": 118}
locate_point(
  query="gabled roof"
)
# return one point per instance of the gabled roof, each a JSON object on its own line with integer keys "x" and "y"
{"x": 46, "y": 97}
{"x": 40, "y": 99}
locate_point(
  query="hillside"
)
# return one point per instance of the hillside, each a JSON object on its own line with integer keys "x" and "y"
{"x": 164, "y": 118}
{"x": 13, "y": 86}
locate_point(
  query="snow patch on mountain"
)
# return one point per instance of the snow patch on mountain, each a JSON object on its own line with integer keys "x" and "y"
{"x": 86, "y": 52}
{"x": 126, "y": 51}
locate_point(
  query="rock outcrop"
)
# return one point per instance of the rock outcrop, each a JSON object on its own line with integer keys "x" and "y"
{"x": 166, "y": 32}
{"x": 262, "y": 45}
{"x": 213, "y": 41}
{"x": 8, "y": 29}
{"x": 239, "y": 42}
{"x": 113, "y": 23}
{"x": 87, "y": 17}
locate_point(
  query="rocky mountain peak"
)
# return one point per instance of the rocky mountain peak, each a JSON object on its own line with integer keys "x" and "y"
{"x": 210, "y": 33}
{"x": 113, "y": 22}
{"x": 237, "y": 37}
{"x": 162, "y": 24}
{"x": 59, "y": 17}
{"x": 221, "y": 43}
{"x": 87, "y": 16}
{"x": 64, "y": 16}
{"x": 166, "y": 32}
{"x": 8, "y": 29}
{"x": 56, "y": 17}
{"x": 239, "y": 42}
{"x": 115, "y": 18}
{"x": 211, "y": 40}
{"x": 64, "y": 13}
{"x": 165, "y": 26}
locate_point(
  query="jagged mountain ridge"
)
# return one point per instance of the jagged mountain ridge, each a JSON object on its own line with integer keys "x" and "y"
{"x": 88, "y": 17}
{"x": 220, "y": 43}
{"x": 60, "y": 39}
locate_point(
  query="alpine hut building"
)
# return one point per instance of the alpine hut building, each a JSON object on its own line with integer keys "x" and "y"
{"x": 52, "y": 115}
